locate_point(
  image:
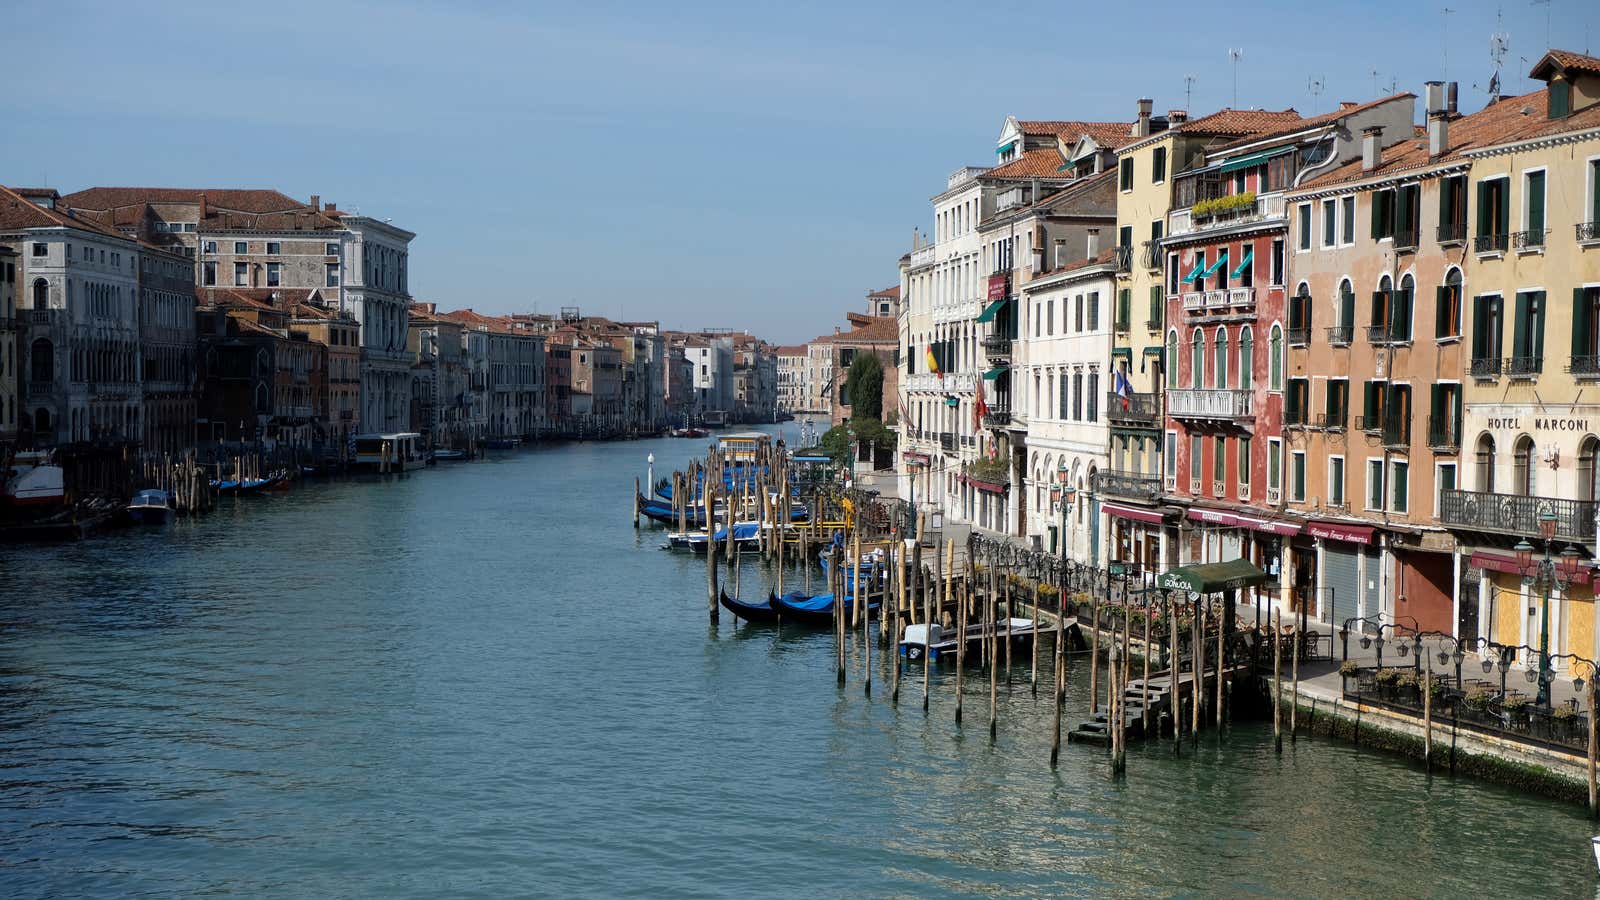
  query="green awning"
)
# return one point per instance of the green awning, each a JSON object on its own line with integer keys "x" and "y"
{"x": 1124, "y": 352}
{"x": 951, "y": 401}
{"x": 1249, "y": 255}
{"x": 1190, "y": 278}
{"x": 1222, "y": 260}
{"x": 1209, "y": 578}
{"x": 1254, "y": 159}
{"x": 989, "y": 311}
{"x": 1004, "y": 147}
{"x": 996, "y": 372}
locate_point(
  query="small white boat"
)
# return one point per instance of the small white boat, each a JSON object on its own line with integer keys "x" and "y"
{"x": 449, "y": 455}
{"x": 151, "y": 507}
{"x": 936, "y": 642}
{"x": 33, "y": 480}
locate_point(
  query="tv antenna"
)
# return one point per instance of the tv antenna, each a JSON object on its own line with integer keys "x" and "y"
{"x": 1314, "y": 86}
{"x": 1235, "y": 54}
{"x": 1188, "y": 91}
{"x": 1546, "y": 4}
{"x": 1444, "y": 39}
{"x": 1499, "y": 46}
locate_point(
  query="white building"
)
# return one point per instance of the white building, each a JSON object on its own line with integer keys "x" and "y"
{"x": 1065, "y": 382}
{"x": 377, "y": 294}
{"x": 713, "y": 375}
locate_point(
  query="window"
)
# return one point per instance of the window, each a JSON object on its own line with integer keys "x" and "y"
{"x": 1219, "y": 462}
{"x": 1064, "y": 402}
{"x": 274, "y": 274}
{"x": 1585, "y": 331}
{"x": 1125, "y": 176}
{"x": 1275, "y": 359}
{"x": 1337, "y": 403}
{"x": 1533, "y": 209}
{"x": 1383, "y": 214}
{"x": 1077, "y": 396}
{"x": 1277, "y": 261}
{"x": 1400, "y": 311}
{"x": 1197, "y": 359}
{"x": 1199, "y": 266}
{"x": 1093, "y": 401}
{"x": 1447, "y": 307}
{"x": 240, "y": 248}
{"x": 1247, "y": 359}
{"x": 1330, "y": 223}
{"x": 1220, "y": 364}
{"x": 1305, "y": 227}
{"x": 1559, "y": 99}
{"x": 1077, "y": 315}
{"x": 330, "y": 249}
{"x": 1485, "y": 463}
{"x": 1336, "y": 481}
{"x": 209, "y": 247}
{"x": 1297, "y": 402}
{"x": 1586, "y": 459}
{"x": 1494, "y": 215}
{"x": 1196, "y": 451}
{"x": 1487, "y": 322}
{"x": 1348, "y": 210}
{"x": 1300, "y": 316}
{"x": 1400, "y": 486}
{"x": 241, "y": 274}
{"x": 332, "y": 278}
{"x": 1171, "y": 362}
{"x": 44, "y": 250}
{"x": 1246, "y": 271}
{"x": 1444, "y": 415}
{"x": 1443, "y": 480}
{"x": 1157, "y": 304}
{"x": 1297, "y": 476}
{"x": 1050, "y": 316}
{"x": 1594, "y": 197}
{"x": 1169, "y": 463}
{"x": 1378, "y": 329}
{"x": 1244, "y": 467}
{"x": 1374, "y": 484}
{"x": 208, "y": 273}
{"x": 1527, "y": 334}
{"x": 1124, "y": 309}
{"x": 1158, "y": 165}
{"x": 274, "y": 248}
{"x": 1274, "y": 465}
{"x": 1522, "y": 467}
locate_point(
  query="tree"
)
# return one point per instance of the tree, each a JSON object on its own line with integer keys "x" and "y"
{"x": 864, "y": 386}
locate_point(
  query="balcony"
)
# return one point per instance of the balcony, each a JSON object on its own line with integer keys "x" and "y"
{"x": 1397, "y": 432}
{"x": 1333, "y": 421}
{"x": 1444, "y": 434}
{"x": 1341, "y": 335}
{"x": 1133, "y": 485}
{"x": 1295, "y": 418}
{"x": 1528, "y": 241}
{"x": 1405, "y": 240}
{"x": 36, "y": 389}
{"x": 1588, "y": 232}
{"x": 1486, "y": 367}
{"x": 997, "y": 346}
{"x": 1453, "y": 233}
{"x": 1491, "y": 243}
{"x": 1216, "y": 299}
{"x": 1517, "y": 515}
{"x": 1141, "y": 409}
{"x": 1584, "y": 367}
{"x": 1369, "y": 424}
{"x": 1378, "y": 335}
{"x": 923, "y": 256}
{"x": 1299, "y": 337}
{"x": 1152, "y": 256}
{"x": 997, "y": 418}
{"x": 1208, "y": 403}
{"x": 1123, "y": 258}
{"x": 947, "y": 442}
{"x": 1524, "y": 367}
{"x": 1242, "y": 296}
{"x": 1194, "y": 300}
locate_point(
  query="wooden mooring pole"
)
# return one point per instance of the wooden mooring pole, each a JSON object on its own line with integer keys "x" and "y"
{"x": 1060, "y": 674}
{"x": 1277, "y": 678}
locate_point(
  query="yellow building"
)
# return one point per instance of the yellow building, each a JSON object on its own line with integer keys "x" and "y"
{"x": 1531, "y": 434}
{"x": 1159, "y": 149}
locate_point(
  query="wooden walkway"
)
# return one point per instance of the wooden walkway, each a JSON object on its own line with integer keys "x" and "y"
{"x": 1160, "y": 697}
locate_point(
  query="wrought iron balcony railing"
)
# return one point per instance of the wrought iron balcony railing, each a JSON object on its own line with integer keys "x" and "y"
{"x": 1524, "y": 366}
{"x": 997, "y": 418}
{"x": 1397, "y": 431}
{"x": 1585, "y": 366}
{"x": 947, "y": 441}
{"x": 1405, "y": 240}
{"x": 1453, "y": 233}
{"x": 1369, "y": 423}
{"x": 997, "y": 346}
{"x": 1486, "y": 367}
{"x": 1378, "y": 335}
{"x": 1334, "y": 421}
{"x": 1340, "y": 335}
{"x": 1299, "y": 337}
{"x": 1138, "y": 409}
{"x": 1127, "y": 484}
{"x": 1532, "y": 239}
{"x": 1517, "y": 514}
{"x": 1152, "y": 256}
{"x": 1444, "y": 434}
{"x": 1588, "y": 231}
{"x": 1491, "y": 243}
{"x": 1124, "y": 258}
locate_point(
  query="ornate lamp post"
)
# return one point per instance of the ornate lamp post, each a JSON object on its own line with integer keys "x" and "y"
{"x": 1543, "y": 575}
{"x": 651, "y": 460}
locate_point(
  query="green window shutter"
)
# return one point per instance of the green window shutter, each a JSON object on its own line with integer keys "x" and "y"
{"x": 1594, "y": 185}
{"x": 1445, "y": 217}
{"x": 1581, "y": 323}
{"x": 1483, "y": 207}
{"x": 1560, "y": 95}
{"x": 1519, "y": 328}
{"x": 1503, "y": 221}
{"x": 1377, "y": 214}
{"x": 1369, "y": 401}
{"x": 1379, "y": 302}
{"x": 1347, "y": 308}
{"x": 1400, "y": 314}
{"x": 1124, "y": 297}
{"x": 1536, "y": 201}
{"x": 1402, "y": 216}
{"x": 1441, "y": 298}
{"x": 1436, "y": 400}
{"x": 1480, "y": 327}
{"x": 1155, "y": 303}
{"x": 1536, "y": 325}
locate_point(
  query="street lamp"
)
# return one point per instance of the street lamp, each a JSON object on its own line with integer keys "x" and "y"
{"x": 651, "y": 460}
{"x": 1543, "y": 575}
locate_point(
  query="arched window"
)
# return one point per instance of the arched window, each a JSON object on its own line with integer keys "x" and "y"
{"x": 1275, "y": 358}
{"x": 1220, "y": 368}
{"x": 43, "y": 362}
{"x": 1522, "y": 467}
{"x": 1448, "y": 313}
{"x": 1400, "y": 314}
{"x": 1247, "y": 358}
{"x": 1586, "y": 457}
{"x": 41, "y": 294}
{"x": 1378, "y": 325}
{"x": 1172, "y": 359}
{"x": 1197, "y": 358}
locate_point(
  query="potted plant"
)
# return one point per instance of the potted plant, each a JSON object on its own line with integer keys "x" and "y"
{"x": 1349, "y": 668}
{"x": 1562, "y": 720}
{"x": 1516, "y": 708}
{"x": 1478, "y": 700}
{"x": 1388, "y": 681}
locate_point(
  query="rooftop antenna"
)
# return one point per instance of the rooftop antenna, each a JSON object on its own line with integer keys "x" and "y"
{"x": 1188, "y": 91}
{"x": 1444, "y": 39}
{"x": 1235, "y": 54}
{"x": 1546, "y": 4}
{"x": 1374, "y": 74}
{"x": 1314, "y": 85}
{"x": 1499, "y": 46}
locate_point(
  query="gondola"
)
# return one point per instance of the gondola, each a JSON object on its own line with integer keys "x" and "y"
{"x": 812, "y": 610}
{"x": 763, "y": 613}
{"x": 870, "y": 569}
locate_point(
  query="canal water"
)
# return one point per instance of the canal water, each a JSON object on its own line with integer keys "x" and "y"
{"x": 480, "y": 680}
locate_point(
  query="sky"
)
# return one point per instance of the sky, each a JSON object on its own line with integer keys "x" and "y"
{"x": 749, "y": 165}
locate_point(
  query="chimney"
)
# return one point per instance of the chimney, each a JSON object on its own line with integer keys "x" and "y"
{"x": 1142, "y": 127}
{"x": 1450, "y": 97}
{"x": 1438, "y": 132}
{"x": 316, "y": 202}
{"x": 1433, "y": 96}
{"x": 1093, "y": 247}
{"x": 1176, "y": 117}
{"x": 331, "y": 207}
{"x": 1371, "y": 147}
{"x": 202, "y": 207}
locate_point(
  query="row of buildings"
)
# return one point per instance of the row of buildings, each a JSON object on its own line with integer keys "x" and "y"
{"x": 1360, "y": 349}
{"x": 166, "y": 317}
{"x": 811, "y": 376}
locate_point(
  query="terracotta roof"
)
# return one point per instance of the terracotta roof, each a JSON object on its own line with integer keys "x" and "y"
{"x": 1042, "y": 163}
{"x": 1106, "y": 134}
{"x": 1565, "y": 60}
{"x": 1240, "y": 122}
{"x": 1498, "y": 123}
{"x": 792, "y": 350}
{"x": 226, "y": 208}
{"x": 891, "y": 292}
{"x": 1345, "y": 109}
{"x": 16, "y": 211}
{"x": 881, "y": 329}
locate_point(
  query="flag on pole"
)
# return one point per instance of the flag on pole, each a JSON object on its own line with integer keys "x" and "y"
{"x": 1124, "y": 389}
{"x": 979, "y": 409}
{"x": 933, "y": 362}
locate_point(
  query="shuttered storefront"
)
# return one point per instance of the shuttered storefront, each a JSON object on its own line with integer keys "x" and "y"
{"x": 1341, "y": 578}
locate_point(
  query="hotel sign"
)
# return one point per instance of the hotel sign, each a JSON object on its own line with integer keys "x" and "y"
{"x": 997, "y": 287}
{"x": 1539, "y": 423}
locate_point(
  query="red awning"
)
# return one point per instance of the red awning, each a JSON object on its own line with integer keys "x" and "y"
{"x": 1271, "y": 526}
{"x": 1508, "y": 564}
{"x": 1339, "y": 531}
{"x": 1214, "y": 517}
{"x": 1130, "y": 512}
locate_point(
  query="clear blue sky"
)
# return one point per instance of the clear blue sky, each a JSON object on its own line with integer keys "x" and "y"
{"x": 743, "y": 164}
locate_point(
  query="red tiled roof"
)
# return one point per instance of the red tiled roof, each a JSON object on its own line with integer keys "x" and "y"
{"x": 226, "y": 208}
{"x": 16, "y": 211}
{"x": 791, "y": 350}
{"x": 889, "y": 292}
{"x": 1565, "y": 60}
{"x": 1345, "y": 109}
{"x": 1240, "y": 122}
{"x": 1106, "y": 134}
{"x": 1041, "y": 163}
{"x": 881, "y": 329}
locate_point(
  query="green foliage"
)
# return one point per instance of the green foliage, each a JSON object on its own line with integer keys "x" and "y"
{"x": 990, "y": 471}
{"x": 871, "y": 431}
{"x": 864, "y": 386}
{"x": 836, "y": 444}
{"x": 1229, "y": 203}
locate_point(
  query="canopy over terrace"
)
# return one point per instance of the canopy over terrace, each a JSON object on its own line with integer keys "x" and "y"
{"x": 1211, "y": 578}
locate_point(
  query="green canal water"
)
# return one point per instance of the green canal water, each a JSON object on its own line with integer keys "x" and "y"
{"x": 479, "y": 680}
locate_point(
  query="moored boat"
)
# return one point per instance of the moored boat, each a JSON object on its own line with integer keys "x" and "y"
{"x": 689, "y": 432}
{"x": 814, "y": 610}
{"x": 449, "y": 455}
{"x": 33, "y": 480}
{"x": 150, "y": 507}
{"x": 761, "y": 613}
